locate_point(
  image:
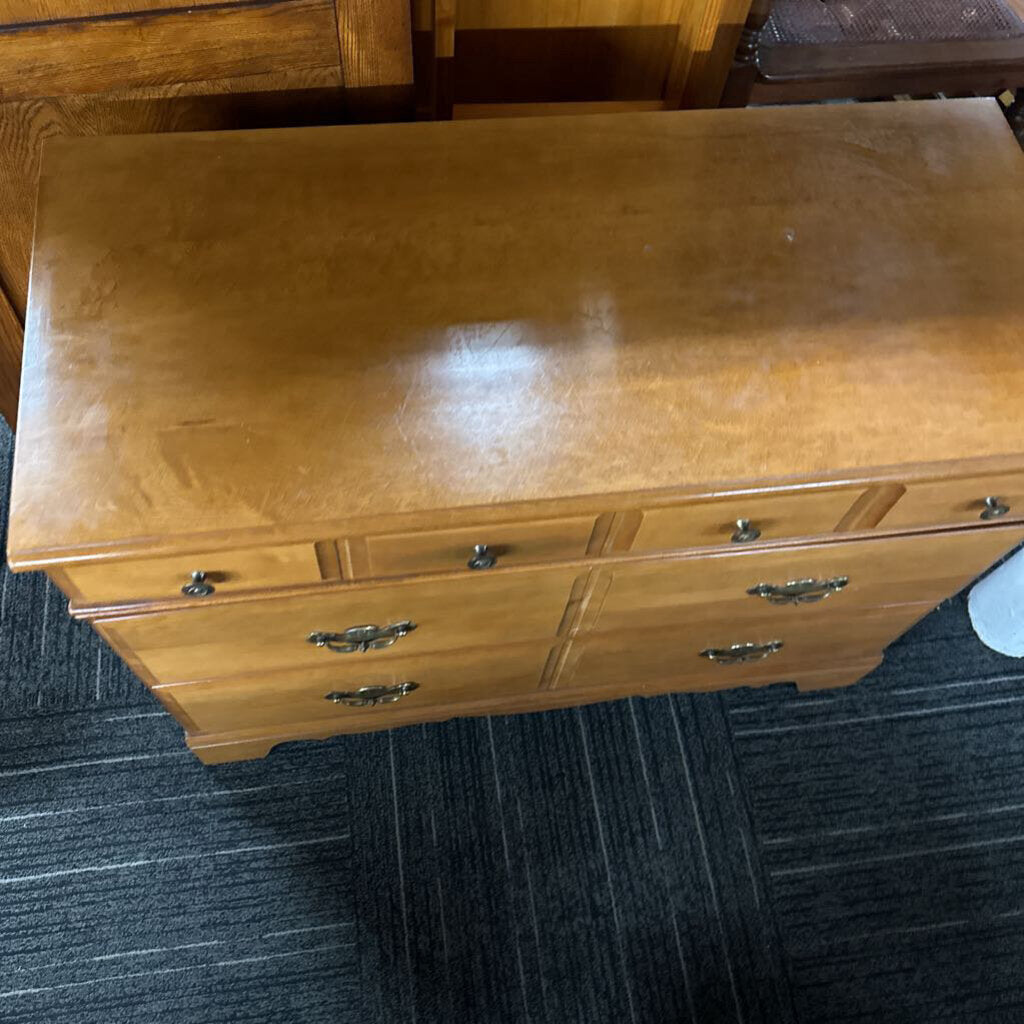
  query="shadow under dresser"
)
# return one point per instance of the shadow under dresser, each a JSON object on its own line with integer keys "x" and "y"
{"x": 338, "y": 429}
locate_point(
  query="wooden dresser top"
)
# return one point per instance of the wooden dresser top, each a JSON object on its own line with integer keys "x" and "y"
{"x": 253, "y": 332}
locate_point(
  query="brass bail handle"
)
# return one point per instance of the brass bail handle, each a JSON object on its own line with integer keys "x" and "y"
{"x": 806, "y": 591}
{"x": 362, "y": 638}
{"x": 371, "y": 696}
{"x": 739, "y": 653}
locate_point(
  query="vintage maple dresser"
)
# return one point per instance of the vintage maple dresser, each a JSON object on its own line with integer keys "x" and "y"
{"x": 340, "y": 429}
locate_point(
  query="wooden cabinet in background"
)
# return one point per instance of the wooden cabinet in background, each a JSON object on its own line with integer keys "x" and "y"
{"x": 561, "y": 410}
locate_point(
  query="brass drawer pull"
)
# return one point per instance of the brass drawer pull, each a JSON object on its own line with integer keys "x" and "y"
{"x": 745, "y": 532}
{"x": 198, "y": 587}
{"x": 994, "y": 508}
{"x": 371, "y": 696}
{"x": 807, "y": 591}
{"x": 741, "y": 652}
{"x": 362, "y": 638}
{"x": 483, "y": 558}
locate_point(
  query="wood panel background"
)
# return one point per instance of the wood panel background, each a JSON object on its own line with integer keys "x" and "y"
{"x": 129, "y": 66}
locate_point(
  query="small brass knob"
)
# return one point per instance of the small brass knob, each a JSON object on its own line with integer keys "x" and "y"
{"x": 994, "y": 508}
{"x": 198, "y": 587}
{"x": 482, "y": 558}
{"x": 745, "y": 532}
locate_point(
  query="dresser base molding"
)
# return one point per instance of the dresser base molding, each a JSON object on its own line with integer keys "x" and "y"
{"x": 248, "y": 744}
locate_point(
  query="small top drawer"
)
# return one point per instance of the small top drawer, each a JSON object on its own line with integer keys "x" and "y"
{"x": 744, "y": 520}
{"x": 221, "y": 572}
{"x": 997, "y": 498}
{"x": 502, "y": 544}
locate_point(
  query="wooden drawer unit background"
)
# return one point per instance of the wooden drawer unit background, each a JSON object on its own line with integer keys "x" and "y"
{"x": 695, "y": 419}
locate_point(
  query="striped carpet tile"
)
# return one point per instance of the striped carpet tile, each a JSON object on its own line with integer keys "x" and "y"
{"x": 545, "y": 868}
{"x": 892, "y": 834}
{"x": 753, "y": 857}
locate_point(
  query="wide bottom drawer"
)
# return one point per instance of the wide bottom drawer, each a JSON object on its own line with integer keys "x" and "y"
{"x": 735, "y": 652}
{"x": 366, "y": 625}
{"x": 344, "y": 692}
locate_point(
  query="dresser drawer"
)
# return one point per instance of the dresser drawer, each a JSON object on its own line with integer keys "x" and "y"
{"x": 347, "y": 693}
{"x": 479, "y": 610}
{"x": 671, "y": 657}
{"x": 882, "y": 571}
{"x": 504, "y": 543}
{"x": 744, "y": 520}
{"x": 983, "y": 499}
{"x": 223, "y": 571}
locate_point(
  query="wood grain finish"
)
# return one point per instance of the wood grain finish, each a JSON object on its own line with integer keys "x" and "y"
{"x": 708, "y": 39}
{"x": 375, "y": 37}
{"x": 638, "y": 305}
{"x": 309, "y": 97}
{"x": 97, "y": 67}
{"x": 17, "y": 12}
{"x": 288, "y": 697}
{"x": 508, "y": 543}
{"x": 776, "y": 516}
{"x": 240, "y": 744}
{"x": 376, "y": 42}
{"x": 232, "y": 639}
{"x": 672, "y": 658}
{"x": 136, "y": 49}
{"x": 886, "y": 571}
{"x": 107, "y": 66}
{"x": 503, "y": 14}
{"x": 959, "y": 501}
{"x": 154, "y": 578}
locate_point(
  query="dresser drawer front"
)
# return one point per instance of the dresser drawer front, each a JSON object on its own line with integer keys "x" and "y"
{"x": 255, "y": 636}
{"x": 948, "y": 502}
{"x": 770, "y": 517}
{"x": 368, "y": 690}
{"x": 505, "y": 543}
{"x": 673, "y": 656}
{"x": 882, "y": 571}
{"x": 223, "y": 572}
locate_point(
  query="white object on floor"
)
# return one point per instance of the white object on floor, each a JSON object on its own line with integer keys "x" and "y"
{"x": 996, "y": 607}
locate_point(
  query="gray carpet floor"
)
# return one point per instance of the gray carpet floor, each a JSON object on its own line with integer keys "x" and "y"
{"x": 752, "y": 856}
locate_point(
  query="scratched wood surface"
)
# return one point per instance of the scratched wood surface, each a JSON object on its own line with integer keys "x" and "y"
{"x": 97, "y": 67}
{"x": 513, "y": 311}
